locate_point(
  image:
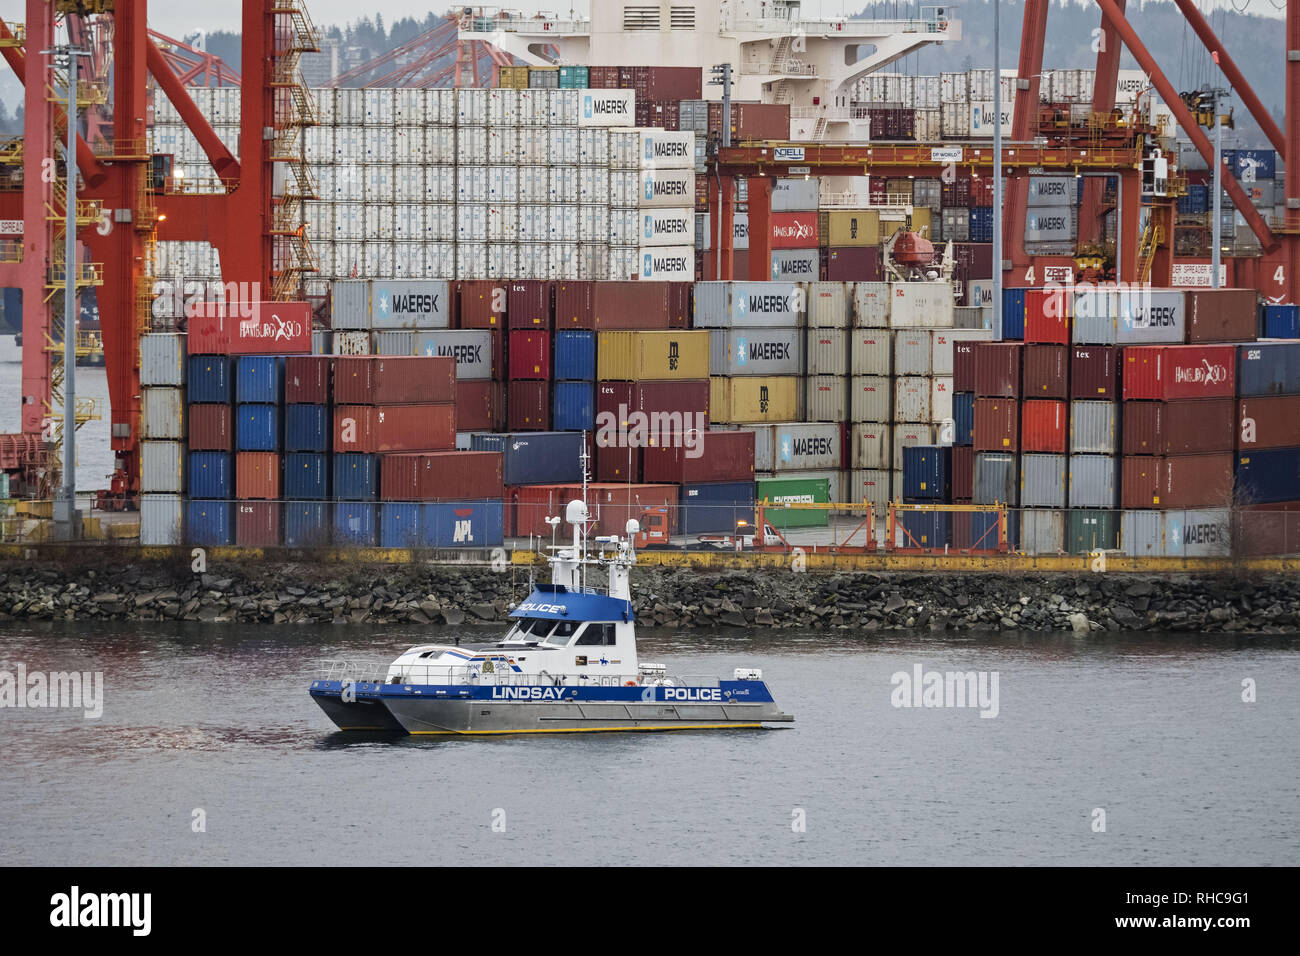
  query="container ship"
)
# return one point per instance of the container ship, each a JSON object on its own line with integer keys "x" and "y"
{"x": 763, "y": 334}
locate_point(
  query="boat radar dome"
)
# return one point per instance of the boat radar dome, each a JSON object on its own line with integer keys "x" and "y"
{"x": 633, "y": 527}
{"x": 576, "y": 512}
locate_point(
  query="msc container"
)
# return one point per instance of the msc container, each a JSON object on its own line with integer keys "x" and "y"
{"x": 944, "y": 342}
{"x": 871, "y": 352}
{"x": 372, "y": 429}
{"x": 1094, "y": 428}
{"x": 1092, "y": 529}
{"x": 872, "y": 446}
{"x": 307, "y": 524}
{"x": 209, "y": 475}
{"x": 871, "y": 301}
{"x": 756, "y": 399}
{"x": 1165, "y": 372}
{"x": 652, "y": 356}
{"x": 210, "y": 379}
{"x": 1271, "y": 422}
{"x": 912, "y": 352}
{"x": 871, "y": 398}
{"x": 307, "y": 379}
{"x": 920, "y": 305}
{"x": 209, "y": 523}
{"x": 575, "y": 355}
{"x": 306, "y": 476}
{"x": 716, "y": 456}
{"x": 257, "y": 428}
{"x": 574, "y": 406}
{"x": 1043, "y": 481}
{"x": 1047, "y": 316}
{"x": 306, "y": 428}
{"x": 996, "y": 425}
{"x": 776, "y": 351}
{"x": 162, "y": 467}
{"x": 997, "y": 479}
{"x": 394, "y": 380}
{"x": 1268, "y": 475}
{"x": 827, "y": 352}
{"x": 716, "y": 507}
{"x": 1178, "y": 428}
{"x": 210, "y": 428}
{"x": 1093, "y": 481}
{"x": 1222, "y": 315}
{"x": 259, "y": 379}
{"x": 1268, "y": 368}
{"x": 356, "y": 523}
{"x": 162, "y": 520}
{"x": 997, "y": 369}
{"x": 1183, "y": 481}
{"x": 356, "y": 477}
{"x": 1042, "y": 531}
{"x": 1043, "y": 426}
{"x": 536, "y": 458}
{"x": 927, "y": 472}
{"x": 1046, "y": 371}
{"x": 912, "y": 399}
{"x": 162, "y": 359}
{"x": 163, "y": 413}
{"x": 1094, "y": 372}
{"x": 482, "y": 304}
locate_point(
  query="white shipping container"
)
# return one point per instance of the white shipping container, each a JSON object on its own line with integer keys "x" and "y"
{"x": 534, "y": 258}
{"x": 162, "y": 467}
{"x": 872, "y": 445}
{"x": 471, "y": 184}
{"x": 593, "y": 260}
{"x": 667, "y": 187}
{"x": 503, "y": 145}
{"x": 440, "y": 260}
{"x": 827, "y": 351}
{"x": 593, "y": 147}
{"x": 625, "y": 149}
{"x": 533, "y": 144}
{"x": 593, "y": 226}
{"x": 920, "y": 305}
{"x": 161, "y": 520}
{"x": 349, "y": 108}
{"x": 795, "y": 195}
{"x": 668, "y": 227}
{"x": 379, "y": 145}
{"x": 534, "y": 184}
{"x": 503, "y": 223}
{"x": 163, "y": 413}
{"x": 666, "y": 149}
{"x": 625, "y": 188}
{"x": 440, "y": 222}
{"x": 593, "y": 184}
{"x": 440, "y": 144}
{"x": 471, "y": 260}
{"x": 503, "y": 184}
{"x": 941, "y": 401}
{"x": 624, "y": 226}
{"x": 162, "y": 359}
{"x": 605, "y": 107}
{"x": 378, "y": 222}
{"x": 913, "y": 350}
{"x": 408, "y": 106}
{"x": 471, "y": 145}
{"x": 912, "y": 399}
{"x": 564, "y": 224}
{"x": 908, "y": 434}
{"x": 797, "y": 446}
{"x": 871, "y": 304}
{"x": 440, "y": 184}
{"x": 472, "y": 224}
{"x": 826, "y": 398}
{"x": 562, "y": 107}
{"x": 624, "y": 262}
{"x": 351, "y": 343}
{"x": 378, "y": 104}
{"x": 408, "y": 184}
{"x": 564, "y": 184}
{"x": 378, "y": 184}
{"x": 667, "y": 263}
{"x": 408, "y": 260}
{"x": 409, "y": 223}
{"x": 563, "y": 146}
{"x": 317, "y": 146}
{"x": 471, "y": 106}
{"x": 502, "y": 260}
{"x": 503, "y": 108}
{"x": 535, "y": 223}
{"x": 563, "y": 260}
{"x": 534, "y": 108}
{"x": 348, "y": 258}
{"x": 954, "y": 120}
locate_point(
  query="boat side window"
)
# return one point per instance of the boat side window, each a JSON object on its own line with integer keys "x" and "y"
{"x": 597, "y": 635}
{"x": 563, "y": 631}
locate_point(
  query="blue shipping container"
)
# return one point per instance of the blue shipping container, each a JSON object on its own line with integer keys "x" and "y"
{"x": 927, "y": 472}
{"x": 210, "y": 523}
{"x": 1196, "y": 201}
{"x": 963, "y": 418}
{"x": 575, "y": 356}
{"x": 462, "y": 524}
{"x": 356, "y": 523}
{"x": 399, "y": 524}
{"x": 307, "y": 428}
{"x": 716, "y": 507}
{"x": 535, "y": 458}
{"x": 306, "y": 476}
{"x": 1013, "y": 316}
{"x": 356, "y": 477}
{"x": 575, "y": 408}
{"x": 259, "y": 378}
{"x": 1282, "y": 321}
{"x": 1251, "y": 165}
{"x": 923, "y": 529}
{"x": 210, "y": 475}
{"x": 257, "y": 428}
{"x": 1268, "y": 476}
{"x": 306, "y": 524}
{"x": 981, "y": 224}
{"x": 1268, "y": 368}
{"x": 984, "y": 530}
{"x": 210, "y": 379}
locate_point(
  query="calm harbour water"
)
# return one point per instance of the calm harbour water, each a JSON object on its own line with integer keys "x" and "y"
{"x": 1150, "y": 728}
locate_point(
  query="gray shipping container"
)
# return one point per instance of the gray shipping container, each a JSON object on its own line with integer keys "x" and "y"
{"x": 797, "y": 446}
{"x": 871, "y": 398}
{"x": 1042, "y": 531}
{"x": 1094, "y": 428}
{"x": 828, "y": 351}
{"x": 756, "y": 351}
{"x": 972, "y": 317}
{"x": 873, "y": 446}
{"x": 873, "y": 487}
{"x": 162, "y": 467}
{"x": 871, "y": 305}
{"x": 1141, "y": 533}
{"x": 795, "y": 195}
{"x": 872, "y": 352}
{"x": 1042, "y": 481}
{"x": 1203, "y": 532}
{"x": 723, "y": 305}
{"x": 912, "y": 351}
{"x": 1139, "y": 316}
{"x": 997, "y": 479}
{"x": 795, "y": 265}
{"x": 829, "y": 304}
{"x": 163, "y": 413}
{"x": 912, "y": 395}
{"x": 351, "y": 343}
{"x": 826, "y": 398}
{"x": 161, "y": 520}
{"x": 350, "y": 304}
{"x": 471, "y": 348}
{"x": 321, "y": 341}
{"x": 409, "y": 304}
{"x": 1094, "y": 481}
{"x": 162, "y": 359}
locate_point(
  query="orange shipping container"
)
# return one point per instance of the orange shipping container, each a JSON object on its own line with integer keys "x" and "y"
{"x": 257, "y": 475}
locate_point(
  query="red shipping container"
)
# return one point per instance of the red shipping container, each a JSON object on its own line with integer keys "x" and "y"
{"x": 679, "y": 304}
{"x": 209, "y": 428}
{"x": 1094, "y": 372}
{"x": 852, "y": 264}
{"x": 442, "y": 476}
{"x": 1046, "y": 372}
{"x": 482, "y": 304}
{"x": 1271, "y": 422}
{"x": 1044, "y": 426}
{"x": 373, "y": 429}
{"x": 794, "y": 230}
{"x": 243, "y": 328}
{"x": 529, "y": 304}
{"x": 1183, "y": 481}
{"x": 631, "y": 305}
{"x": 963, "y": 366}
{"x": 531, "y": 505}
{"x": 612, "y": 504}
{"x": 257, "y": 524}
{"x": 1166, "y": 372}
{"x": 720, "y": 456}
{"x": 528, "y": 406}
{"x": 997, "y": 424}
{"x": 602, "y": 77}
{"x": 530, "y": 356}
{"x": 1190, "y": 427}
{"x": 257, "y": 474}
{"x": 307, "y": 379}
{"x": 573, "y": 305}
{"x": 1222, "y": 315}
{"x": 1047, "y": 316}
{"x": 963, "y": 472}
{"x": 394, "y": 379}
{"x": 997, "y": 369}
{"x": 480, "y": 406}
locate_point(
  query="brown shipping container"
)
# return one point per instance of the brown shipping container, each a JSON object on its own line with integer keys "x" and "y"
{"x": 1184, "y": 481}
{"x": 1046, "y": 372}
{"x": 853, "y": 264}
{"x": 1195, "y": 426}
{"x": 997, "y": 369}
{"x": 963, "y": 473}
{"x": 480, "y": 406}
{"x": 723, "y": 456}
{"x": 257, "y": 524}
{"x": 618, "y": 464}
{"x": 1272, "y": 529}
{"x": 612, "y": 504}
{"x": 528, "y": 406}
{"x": 257, "y": 474}
{"x": 573, "y": 305}
{"x": 629, "y": 305}
{"x": 442, "y": 476}
{"x": 209, "y": 428}
{"x": 602, "y": 77}
{"x": 1222, "y": 315}
{"x": 679, "y": 304}
{"x": 997, "y": 424}
{"x": 373, "y": 429}
{"x": 394, "y": 379}
{"x": 1094, "y": 372}
{"x": 307, "y": 379}
{"x": 760, "y": 121}
{"x": 529, "y": 304}
{"x": 1269, "y": 422}
{"x": 659, "y": 84}
{"x": 481, "y": 304}
{"x": 963, "y": 366}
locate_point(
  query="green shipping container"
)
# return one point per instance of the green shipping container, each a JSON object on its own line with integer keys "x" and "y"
{"x": 1092, "y": 529}
{"x": 778, "y": 490}
{"x": 573, "y": 77}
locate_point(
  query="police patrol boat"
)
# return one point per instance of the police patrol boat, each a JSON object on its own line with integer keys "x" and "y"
{"x": 568, "y": 664}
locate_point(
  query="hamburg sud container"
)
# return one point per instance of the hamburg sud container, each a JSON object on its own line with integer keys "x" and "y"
{"x": 718, "y": 456}
{"x": 1137, "y": 315}
{"x": 442, "y": 476}
{"x": 1046, "y": 371}
{"x": 1268, "y": 368}
{"x": 1178, "y": 428}
{"x": 1222, "y": 315}
{"x": 1094, "y": 372}
{"x": 652, "y": 356}
{"x": 536, "y": 458}
{"x": 410, "y": 304}
{"x": 775, "y": 351}
{"x": 1165, "y": 372}
{"x": 1182, "y": 481}
{"x": 371, "y": 429}
{"x": 723, "y": 305}
{"x": 1269, "y": 422}
{"x": 394, "y": 380}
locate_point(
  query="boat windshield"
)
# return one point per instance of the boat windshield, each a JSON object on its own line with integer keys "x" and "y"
{"x": 530, "y": 628}
{"x": 564, "y": 630}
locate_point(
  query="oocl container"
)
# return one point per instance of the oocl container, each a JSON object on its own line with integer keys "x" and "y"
{"x": 920, "y": 305}
{"x": 871, "y": 398}
{"x": 1178, "y": 428}
{"x": 871, "y": 352}
{"x": 829, "y": 305}
{"x": 872, "y": 446}
{"x": 1183, "y": 481}
{"x": 871, "y": 302}
{"x": 394, "y": 380}
{"x": 827, "y": 352}
{"x": 372, "y": 429}
{"x": 912, "y": 352}
{"x": 1166, "y": 372}
{"x": 653, "y": 356}
{"x": 912, "y": 399}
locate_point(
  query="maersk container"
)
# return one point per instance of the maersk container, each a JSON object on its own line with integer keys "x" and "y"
{"x": 307, "y": 428}
{"x": 1094, "y": 428}
{"x": 462, "y": 524}
{"x": 912, "y": 396}
{"x": 722, "y": 305}
{"x": 210, "y": 523}
{"x": 574, "y": 406}
{"x": 829, "y": 303}
{"x": 1267, "y": 476}
{"x": 1280, "y": 322}
{"x": 943, "y": 343}
{"x": 775, "y": 351}
{"x": 825, "y": 399}
{"x": 477, "y": 351}
{"x": 963, "y": 416}
{"x": 162, "y": 467}
{"x": 872, "y": 446}
{"x": 1013, "y": 316}
{"x": 210, "y": 379}
{"x": 1094, "y": 481}
{"x": 997, "y": 479}
{"x": 536, "y": 458}
{"x": 259, "y": 379}
{"x": 162, "y": 520}
{"x": 163, "y": 414}
{"x": 1140, "y": 315}
{"x": 871, "y": 301}
{"x": 210, "y": 475}
{"x": 1092, "y": 529}
{"x": 1201, "y": 532}
{"x": 796, "y": 264}
{"x": 575, "y": 355}
{"x": 795, "y": 490}
{"x": 1043, "y": 481}
{"x": 804, "y": 447}
{"x": 356, "y": 523}
{"x": 257, "y": 428}
{"x": 920, "y": 305}
{"x": 871, "y": 398}
{"x": 912, "y": 352}
{"x": 716, "y": 507}
{"x": 162, "y": 359}
{"x": 827, "y": 351}
{"x": 871, "y": 352}
{"x": 927, "y": 472}
{"x": 1268, "y": 368}
{"x": 307, "y": 524}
